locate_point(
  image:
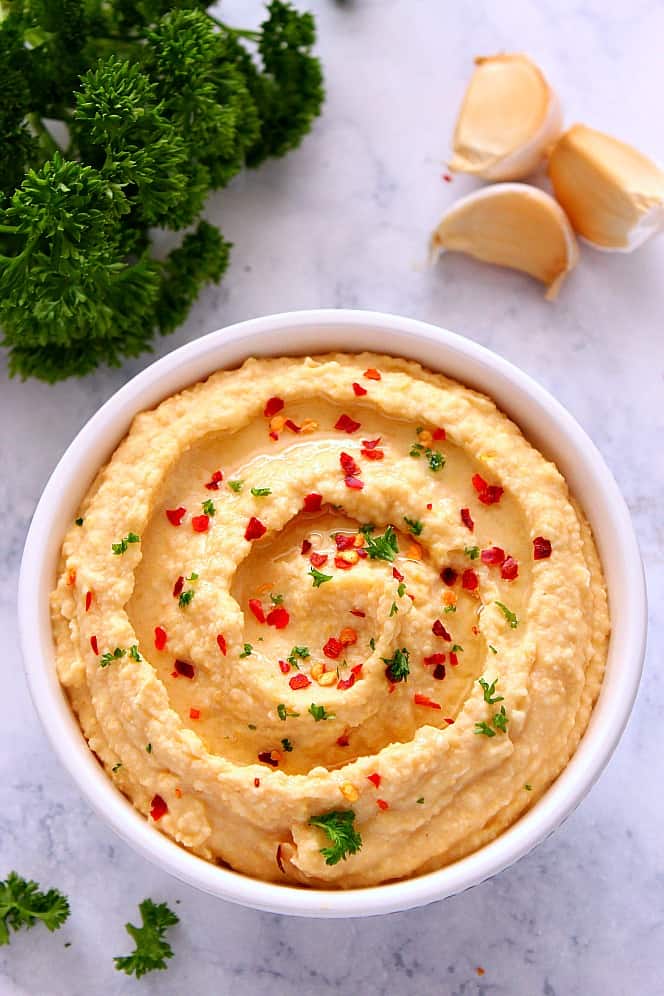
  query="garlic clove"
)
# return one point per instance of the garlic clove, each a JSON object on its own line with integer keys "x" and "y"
{"x": 509, "y": 117}
{"x": 514, "y": 225}
{"x": 613, "y": 195}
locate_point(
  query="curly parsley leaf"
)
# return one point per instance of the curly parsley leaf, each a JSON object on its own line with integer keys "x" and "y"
{"x": 152, "y": 950}
{"x": 22, "y": 904}
{"x": 339, "y": 825}
{"x": 489, "y": 691}
{"x": 398, "y": 665}
{"x": 414, "y": 525}
{"x": 123, "y": 545}
{"x": 113, "y": 655}
{"x": 383, "y": 547}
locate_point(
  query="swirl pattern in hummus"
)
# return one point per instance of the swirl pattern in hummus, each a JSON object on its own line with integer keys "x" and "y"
{"x": 233, "y": 694}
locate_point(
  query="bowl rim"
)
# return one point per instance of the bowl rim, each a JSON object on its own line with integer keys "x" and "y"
{"x": 164, "y": 377}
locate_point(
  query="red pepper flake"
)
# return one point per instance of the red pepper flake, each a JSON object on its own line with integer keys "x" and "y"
{"x": 492, "y": 495}
{"x": 278, "y": 617}
{"x": 439, "y": 672}
{"x": 358, "y": 612}
{"x": 467, "y": 519}
{"x": 88, "y": 601}
{"x": 382, "y": 804}
{"x": 284, "y": 667}
{"x": 510, "y": 569}
{"x": 178, "y": 586}
{"x": 479, "y": 483}
{"x": 435, "y": 659}
{"x": 343, "y": 740}
{"x": 272, "y": 406}
{"x": 447, "y": 177}
{"x": 371, "y": 444}
{"x": 454, "y": 660}
{"x": 372, "y": 454}
{"x": 344, "y": 541}
{"x": 372, "y": 374}
{"x": 194, "y": 713}
{"x": 257, "y": 783}
{"x": 215, "y": 481}
{"x": 439, "y": 630}
{"x": 475, "y": 630}
{"x": 176, "y": 515}
{"x": 354, "y": 483}
{"x": 71, "y": 578}
{"x": 348, "y": 465}
{"x": 313, "y": 502}
{"x": 448, "y": 576}
{"x": 318, "y": 559}
{"x": 273, "y": 435}
{"x": 346, "y": 424}
{"x": 299, "y": 681}
{"x": 479, "y": 970}
{"x": 185, "y": 669}
{"x": 160, "y": 638}
{"x": 342, "y": 564}
{"x": 158, "y": 808}
{"x": 469, "y": 580}
{"x": 359, "y": 390}
{"x": 306, "y": 546}
{"x": 374, "y": 779}
{"x": 200, "y": 523}
{"x": 94, "y": 645}
{"x": 348, "y": 636}
{"x": 362, "y": 553}
{"x": 346, "y": 683}
{"x": 439, "y": 434}
{"x": 493, "y": 555}
{"x": 178, "y": 793}
{"x": 397, "y": 575}
{"x": 255, "y": 529}
{"x": 290, "y": 424}
{"x": 424, "y": 700}
{"x": 449, "y": 720}
{"x": 356, "y": 668}
{"x": 541, "y": 548}
{"x": 221, "y": 643}
{"x": 265, "y": 757}
{"x": 257, "y": 609}
{"x": 333, "y": 648}
{"x": 429, "y": 506}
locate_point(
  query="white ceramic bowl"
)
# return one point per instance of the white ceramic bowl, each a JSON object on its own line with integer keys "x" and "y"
{"x": 543, "y": 421}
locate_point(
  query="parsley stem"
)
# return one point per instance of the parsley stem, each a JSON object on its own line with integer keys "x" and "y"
{"x": 8, "y": 229}
{"x": 239, "y": 32}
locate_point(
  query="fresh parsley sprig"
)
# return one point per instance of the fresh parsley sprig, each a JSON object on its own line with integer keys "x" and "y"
{"x": 22, "y": 904}
{"x": 339, "y": 825}
{"x": 152, "y": 950}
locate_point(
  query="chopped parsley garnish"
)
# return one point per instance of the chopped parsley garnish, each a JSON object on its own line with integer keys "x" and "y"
{"x": 235, "y": 486}
{"x": 251, "y": 726}
{"x": 528, "y": 787}
{"x": 283, "y": 712}
{"x": 151, "y": 949}
{"x": 435, "y": 458}
{"x": 450, "y": 608}
{"x": 484, "y": 730}
{"x": 318, "y": 577}
{"x": 456, "y": 649}
{"x": 393, "y": 609}
{"x": 500, "y": 720}
{"x": 121, "y": 547}
{"x": 340, "y": 829}
{"x": 301, "y": 652}
{"x": 398, "y": 666}
{"x": 248, "y": 649}
{"x": 192, "y": 577}
{"x": 208, "y": 507}
{"x": 134, "y": 654}
{"x": 22, "y": 905}
{"x": 367, "y": 528}
{"x": 420, "y": 800}
{"x": 79, "y": 522}
{"x": 383, "y": 547}
{"x": 148, "y": 748}
{"x": 319, "y": 712}
{"x": 510, "y": 616}
{"x": 276, "y": 599}
{"x": 414, "y": 525}
{"x": 490, "y": 691}
{"x": 116, "y": 767}
{"x": 261, "y": 492}
{"x": 186, "y": 597}
{"x": 401, "y": 589}
{"x": 492, "y": 649}
{"x": 287, "y": 745}
{"x": 110, "y": 656}
{"x": 472, "y": 551}
{"x": 372, "y": 643}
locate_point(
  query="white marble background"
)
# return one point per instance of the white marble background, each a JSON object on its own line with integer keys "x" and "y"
{"x": 343, "y": 222}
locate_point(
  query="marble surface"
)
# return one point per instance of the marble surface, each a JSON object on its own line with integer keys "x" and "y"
{"x": 343, "y": 222}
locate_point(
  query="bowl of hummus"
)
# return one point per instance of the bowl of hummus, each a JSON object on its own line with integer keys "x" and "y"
{"x": 319, "y": 612}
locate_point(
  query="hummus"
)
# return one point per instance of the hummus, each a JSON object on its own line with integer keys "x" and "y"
{"x": 330, "y": 621}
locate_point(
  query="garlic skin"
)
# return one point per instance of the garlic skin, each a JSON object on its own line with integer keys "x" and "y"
{"x": 612, "y": 194}
{"x": 513, "y": 225}
{"x": 509, "y": 117}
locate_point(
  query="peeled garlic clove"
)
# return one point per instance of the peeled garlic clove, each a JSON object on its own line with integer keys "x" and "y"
{"x": 613, "y": 195}
{"x": 511, "y": 224}
{"x": 509, "y": 117}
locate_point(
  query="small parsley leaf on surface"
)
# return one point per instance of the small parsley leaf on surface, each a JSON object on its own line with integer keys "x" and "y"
{"x": 318, "y": 577}
{"x": 123, "y": 545}
{"x": 235, "y": 486}
{"x": 319, "y": 712}
{"x": 261, "y": 492}
{"x": 339, "y": 825}
{"x": 383, "y": 547}
{"x": 22, "y": 905}
{"x": 111, "y": 655}
{"x": 152, "y": 950}
{"x": 398, "y": 666}
{"x": 509, "y": 615}
{"x": 490, "y": 691}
